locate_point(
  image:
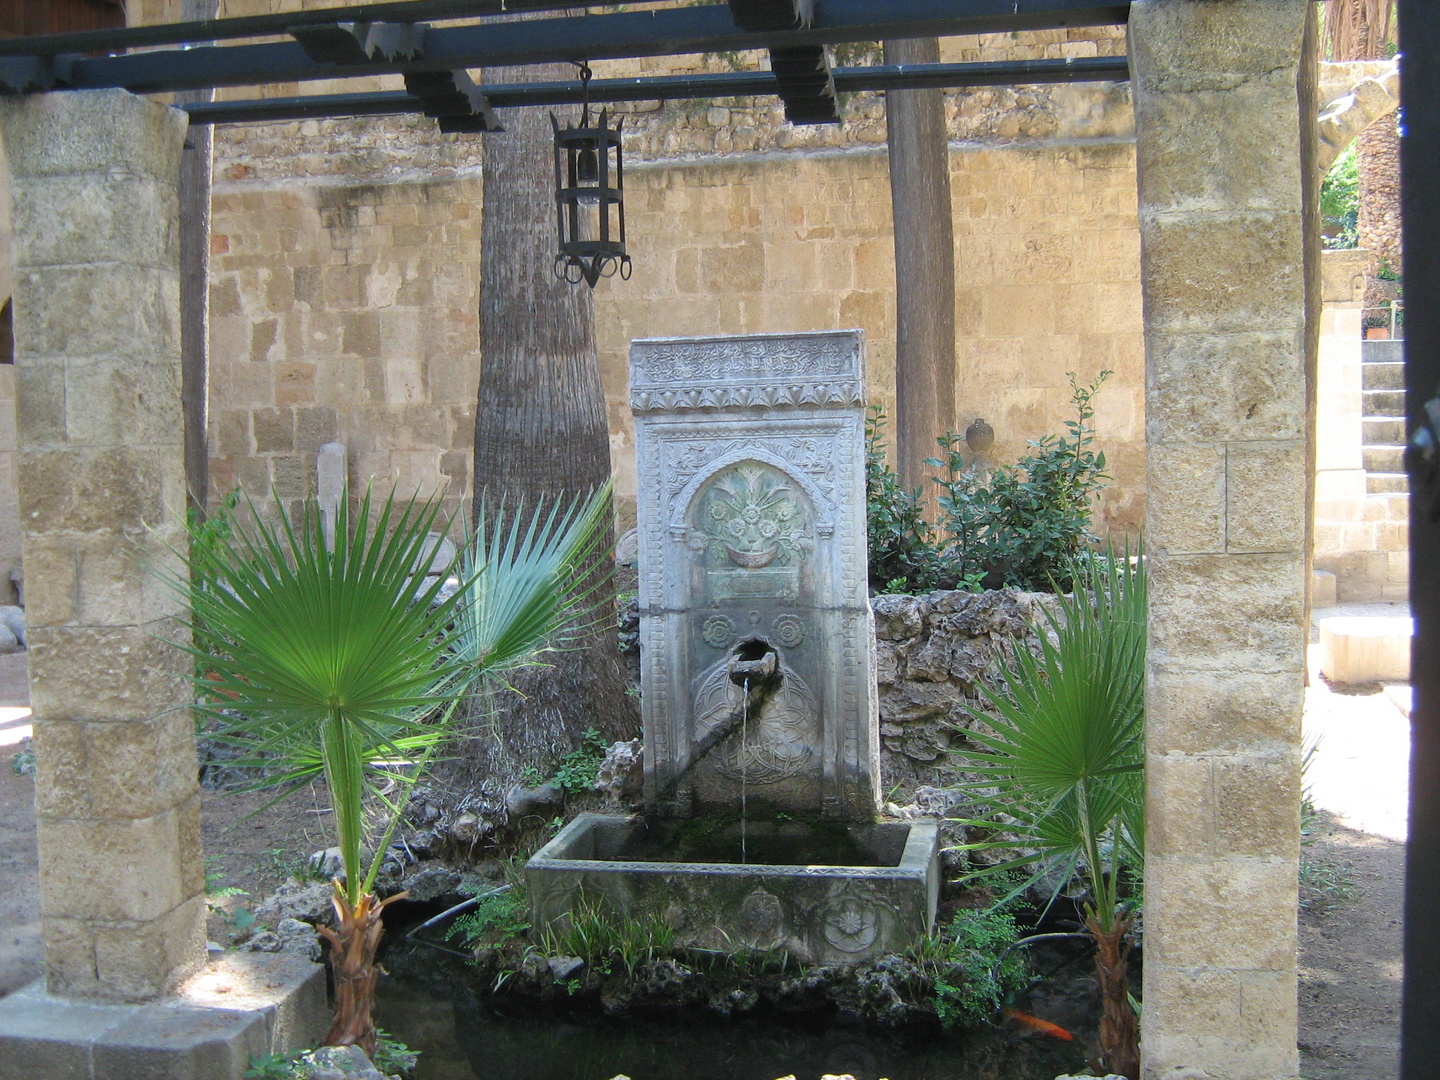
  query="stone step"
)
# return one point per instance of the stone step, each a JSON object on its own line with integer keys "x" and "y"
{"x": 1384, "y": 459}
{"x": 1383, "y": 402}
{"x": 1382, "y": 431}
{"x": 1382, "y": 483}
{"x": 1382, "y": 352}
{"x": 1382, "y": 376}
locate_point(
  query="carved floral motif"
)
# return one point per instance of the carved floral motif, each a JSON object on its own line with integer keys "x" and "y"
{"x": 750, "y": 518}
{"x": 851, "y": 924}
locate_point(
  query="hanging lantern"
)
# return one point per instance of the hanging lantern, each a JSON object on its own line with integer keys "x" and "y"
{"x": 589, "y": 197}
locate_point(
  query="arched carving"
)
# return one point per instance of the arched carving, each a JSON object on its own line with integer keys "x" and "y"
{"x": 1342, "y": 120}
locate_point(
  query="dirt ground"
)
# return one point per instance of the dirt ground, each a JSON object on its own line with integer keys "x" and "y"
{"x": 1350, "y": 950}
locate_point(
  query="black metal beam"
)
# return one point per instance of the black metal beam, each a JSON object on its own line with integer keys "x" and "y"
{"x": 670, "y": 88}
{"x": 1420, "y": 195}
{"x": 254, "y": 26}
{"x": 605, "y": 36}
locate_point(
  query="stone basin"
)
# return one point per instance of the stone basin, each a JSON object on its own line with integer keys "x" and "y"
{"x": 880, "y": 900}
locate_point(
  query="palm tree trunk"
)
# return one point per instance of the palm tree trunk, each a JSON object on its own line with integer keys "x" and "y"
{"x": 541, "y": 432}
{"x": 1378, "y": 222}
{"x": 1119, "y": 1026}
{"x": 924, "y": 265}
{"x": 353, "y": 969}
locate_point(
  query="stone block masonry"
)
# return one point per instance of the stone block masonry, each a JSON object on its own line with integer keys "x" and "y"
{"x": 102, "y": 494}
{"x": 1223, "y": 218}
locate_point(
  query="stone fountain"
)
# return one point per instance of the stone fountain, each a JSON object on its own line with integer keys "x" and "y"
{"x": 761, "y": 728}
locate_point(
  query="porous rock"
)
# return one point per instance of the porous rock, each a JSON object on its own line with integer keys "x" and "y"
{"x": 621, "y": 775}
{"x": 431, "y": 883}
{"x": 933, "y": 654}
{"x": 522, "y": 802}
{"x": 339, "y": 1063}
{"x": 304, "y": 901}
{"x": 13, "y": 619}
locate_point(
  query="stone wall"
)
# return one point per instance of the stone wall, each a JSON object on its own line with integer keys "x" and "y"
{"x": 739, "y": 223}
{"x": 344, "y": 312}
{"x": 933, "y": 653}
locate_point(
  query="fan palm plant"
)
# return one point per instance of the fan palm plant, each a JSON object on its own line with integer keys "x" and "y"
{"x": 1063, "y": 762}
{"x": 346, "y": 662}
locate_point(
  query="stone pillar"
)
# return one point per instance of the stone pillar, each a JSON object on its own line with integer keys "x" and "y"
{"x": 102, "y": 491}
{"x": 1223, "y": 106}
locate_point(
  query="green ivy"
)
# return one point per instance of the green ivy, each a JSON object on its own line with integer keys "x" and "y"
{"x": 579, "y": 769}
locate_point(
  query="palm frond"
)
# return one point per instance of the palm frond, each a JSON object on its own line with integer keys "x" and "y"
{"x": 525, "y": 589}
{"x": 1063, "y": 760}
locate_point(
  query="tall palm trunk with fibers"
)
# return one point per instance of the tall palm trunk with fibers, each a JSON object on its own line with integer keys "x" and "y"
{"x": 541, "y": 431}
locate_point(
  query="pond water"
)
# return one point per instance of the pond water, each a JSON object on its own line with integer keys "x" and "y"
{"x": 430, "y": 1003}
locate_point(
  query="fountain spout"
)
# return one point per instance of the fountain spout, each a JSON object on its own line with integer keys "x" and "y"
{"x": 755, "y": 664}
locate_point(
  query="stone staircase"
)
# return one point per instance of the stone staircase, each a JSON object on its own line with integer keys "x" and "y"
{"x": 1382, "y": 382}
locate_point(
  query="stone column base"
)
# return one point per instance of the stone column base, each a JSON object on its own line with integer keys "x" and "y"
{"x": 240, "y": 1004}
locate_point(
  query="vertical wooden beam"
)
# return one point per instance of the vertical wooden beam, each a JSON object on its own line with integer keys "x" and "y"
{"x": 924, "y": 264}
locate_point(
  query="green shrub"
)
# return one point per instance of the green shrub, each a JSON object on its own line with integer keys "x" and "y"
{"x": 1021, "y": 525}
{"x": 904, "y": 557}
{"x": 1340, "y": 200}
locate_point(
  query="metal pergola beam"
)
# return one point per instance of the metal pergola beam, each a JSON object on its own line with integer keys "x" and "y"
{"x": 589, "y": 37}
{"x": 669, "y": 88}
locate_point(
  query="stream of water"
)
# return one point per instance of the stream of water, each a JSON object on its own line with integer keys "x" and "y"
{"x": 744, "y": 765}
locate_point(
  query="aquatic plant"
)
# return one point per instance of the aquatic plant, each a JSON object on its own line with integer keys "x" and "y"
{"x": 603, "y": 938}
{"x": 1065, "y": 767}
{"x": 347, "y": 662}
{"x": 972, "y": 968}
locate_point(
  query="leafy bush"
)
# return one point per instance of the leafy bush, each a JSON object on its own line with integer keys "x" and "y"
{"x": 972, "y": 969}
{"x": 392, "y": 1057}
{"x": 1340, "y": 200}
{"x": 903, "y": 553}
{"x": 1021, "y": 526}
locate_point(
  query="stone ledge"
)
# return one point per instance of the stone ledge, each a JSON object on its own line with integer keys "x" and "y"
{"x": 1360, "y": 649}
{"x": 241, "y": 1004}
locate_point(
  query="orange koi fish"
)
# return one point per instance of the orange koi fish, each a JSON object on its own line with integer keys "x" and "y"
{"x": 1034, "y": 1023}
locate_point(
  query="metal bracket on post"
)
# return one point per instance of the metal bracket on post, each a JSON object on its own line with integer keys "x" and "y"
{"x": 806, "y": 83}
{"x": 452, "y": 98}
{"x": 361, "y": 42}
{"x": 34, "y": 74}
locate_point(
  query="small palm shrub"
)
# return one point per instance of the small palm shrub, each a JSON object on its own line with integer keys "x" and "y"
{"x": 1062, "y": 759}
{"x": 346, "y": 662}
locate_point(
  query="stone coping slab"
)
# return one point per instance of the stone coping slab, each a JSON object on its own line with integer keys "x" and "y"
{"x": 241, "y": 1004}
{"x": 820, "y": 914}
{"x": 1360, "y": 649}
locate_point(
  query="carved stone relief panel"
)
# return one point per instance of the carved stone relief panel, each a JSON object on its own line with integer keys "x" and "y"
{"x": 751, "y": 533}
